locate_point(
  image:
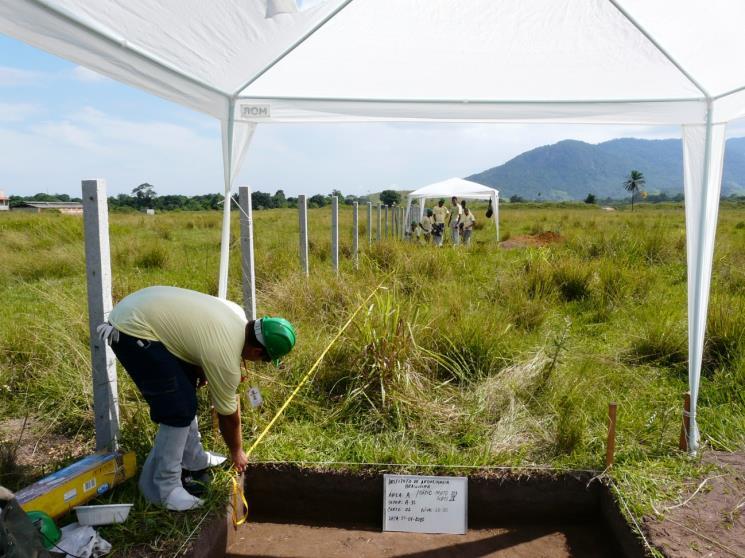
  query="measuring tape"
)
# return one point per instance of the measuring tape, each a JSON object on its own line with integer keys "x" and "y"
{"x": 303, "y": 380}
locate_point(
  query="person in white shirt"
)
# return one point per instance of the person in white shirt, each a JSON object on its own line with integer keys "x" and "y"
{"x": 171, "y": 341}
{"x": 468, "y": 222}
{"x": 456, "y": 216}
{"x": 426, "y": 225}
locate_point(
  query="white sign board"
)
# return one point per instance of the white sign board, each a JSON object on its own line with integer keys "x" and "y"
{"x": 419, "y": 504}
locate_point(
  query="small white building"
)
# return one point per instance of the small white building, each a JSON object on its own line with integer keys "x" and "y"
{"x": 4, "y": 201}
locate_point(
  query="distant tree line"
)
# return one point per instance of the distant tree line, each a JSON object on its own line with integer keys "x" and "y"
{"x": 15, "y": 201}
{"x": 144, "y": 197}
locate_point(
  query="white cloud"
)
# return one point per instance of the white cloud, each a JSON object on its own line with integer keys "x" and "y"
{"x": 15, "y": 76}
{"x": 17, "y": 112}
{"x": 56, "y": 155}
{"x": 85, "y": 75}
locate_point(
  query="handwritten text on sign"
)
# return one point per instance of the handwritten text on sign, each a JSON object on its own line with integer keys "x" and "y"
{"x": 419, "y": 504}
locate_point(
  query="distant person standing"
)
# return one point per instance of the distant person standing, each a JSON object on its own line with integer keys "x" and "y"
{"x": 468, "y": 222}
{"x": 426, "y": 226}
{"x": 439, "y": 217}
{"x": 456, "y": 216}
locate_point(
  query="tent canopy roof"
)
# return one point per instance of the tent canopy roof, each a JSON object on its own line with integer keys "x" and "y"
{"x": 454, "y": 187}
{"x": 648, "y": 61}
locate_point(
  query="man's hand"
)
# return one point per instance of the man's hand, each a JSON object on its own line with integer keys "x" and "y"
{"x": 240, "y": 461}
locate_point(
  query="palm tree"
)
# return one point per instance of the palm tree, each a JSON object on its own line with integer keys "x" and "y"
{"x": 633, "y": 184}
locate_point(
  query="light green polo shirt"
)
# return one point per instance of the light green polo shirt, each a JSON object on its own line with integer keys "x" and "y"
{"x": 198, "y": 328}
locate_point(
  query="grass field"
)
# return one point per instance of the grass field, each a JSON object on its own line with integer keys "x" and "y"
{"x": 478, "y": 356}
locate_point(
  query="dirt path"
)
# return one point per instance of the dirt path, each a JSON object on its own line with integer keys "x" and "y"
{"x": 712, "y": 522}
{"x": 267, "y": 540}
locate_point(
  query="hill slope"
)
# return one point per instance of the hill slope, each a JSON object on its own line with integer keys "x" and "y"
{"x": 571, "y": 169}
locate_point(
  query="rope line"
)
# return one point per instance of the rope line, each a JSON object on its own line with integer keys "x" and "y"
{"x": 633, "y": 518}
{"x": 312, "y": 369}
{"x": 237, "y": 491}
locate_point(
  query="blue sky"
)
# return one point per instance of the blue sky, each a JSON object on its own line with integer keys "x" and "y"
{"x": 61, "y": 123}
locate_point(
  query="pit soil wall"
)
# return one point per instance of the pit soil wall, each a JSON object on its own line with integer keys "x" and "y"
{"x": 347, "y": 503}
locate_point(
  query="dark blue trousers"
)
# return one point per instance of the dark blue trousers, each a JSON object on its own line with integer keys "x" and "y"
{"x": 167, "y": 383}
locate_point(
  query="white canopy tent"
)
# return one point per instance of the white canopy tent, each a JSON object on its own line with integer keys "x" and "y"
{"x": 247, "y": 62}
{"x": 462, "y": 189}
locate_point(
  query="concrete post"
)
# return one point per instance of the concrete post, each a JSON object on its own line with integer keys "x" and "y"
{"x": 335, "y": 233}
{"x": 247, "y": 251}
{"x": 356, "y": 237}
{"x": 386, "y": 223}
{"x": 98, "y": 279}
{"x": 380, "y": 220}
{"x": 369, "y": 222}
{"x": 302, "y": 210}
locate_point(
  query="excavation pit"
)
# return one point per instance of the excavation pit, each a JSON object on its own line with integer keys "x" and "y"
{"x": 302, "y": 512}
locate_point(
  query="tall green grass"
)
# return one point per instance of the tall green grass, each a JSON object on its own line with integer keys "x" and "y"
{"x": 476, "y": 356}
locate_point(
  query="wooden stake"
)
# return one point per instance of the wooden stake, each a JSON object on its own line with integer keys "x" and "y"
{"x": 215, "y": 424}
{"x": 611, "y": 445}
{"x": 686, "y": 426}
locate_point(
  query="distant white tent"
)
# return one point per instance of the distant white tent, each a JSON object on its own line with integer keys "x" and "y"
{"x": 247, "y": 62}
{"x": 462, "y": 189}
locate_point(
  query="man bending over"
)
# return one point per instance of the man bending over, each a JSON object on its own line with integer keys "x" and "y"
{"x": 171, "y": 341}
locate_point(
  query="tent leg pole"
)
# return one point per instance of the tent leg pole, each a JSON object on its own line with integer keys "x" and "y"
{"x": 702, "y": 188}
{"x": 222, "y": 285}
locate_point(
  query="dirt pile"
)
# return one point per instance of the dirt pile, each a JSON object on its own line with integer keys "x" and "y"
{"x": 532, "y": 240}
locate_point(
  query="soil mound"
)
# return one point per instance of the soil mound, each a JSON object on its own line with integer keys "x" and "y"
{"x": 532, "y": 240}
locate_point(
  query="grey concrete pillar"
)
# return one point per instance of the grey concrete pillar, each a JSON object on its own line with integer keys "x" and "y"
{"x": 335, "y": 233}
{"x": 302, "y": 211}
{"x": 247, "y": 251}
{"x": 380, "y": 221}
{"x": 356, "y": 232}
{"x": 98, "y": 279}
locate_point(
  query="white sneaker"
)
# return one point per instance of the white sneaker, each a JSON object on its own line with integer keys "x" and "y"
{"x": 214, "y": 459}
{"x": 180, "y": 500}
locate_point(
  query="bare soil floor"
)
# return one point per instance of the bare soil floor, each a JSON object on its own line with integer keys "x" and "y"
{"x": 29, "y": 447}
{"x": 265, "y": 540}
{"x": 709, "y": 522}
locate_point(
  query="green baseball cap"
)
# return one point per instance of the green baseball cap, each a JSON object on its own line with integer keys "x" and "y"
{"x": 277, "y": 336}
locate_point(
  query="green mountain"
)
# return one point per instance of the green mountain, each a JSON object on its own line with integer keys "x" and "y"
{"x": 570, "y": 169}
